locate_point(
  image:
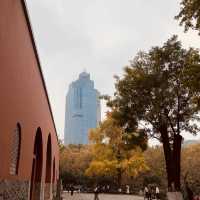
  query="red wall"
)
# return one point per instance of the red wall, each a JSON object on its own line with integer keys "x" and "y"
{"x": 22, "y": 93}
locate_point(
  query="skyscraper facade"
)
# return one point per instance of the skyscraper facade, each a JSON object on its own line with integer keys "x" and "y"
{"x": 83, "y": 110}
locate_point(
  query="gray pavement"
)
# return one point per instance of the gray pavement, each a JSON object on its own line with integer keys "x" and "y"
{"x": 84, "y": 196}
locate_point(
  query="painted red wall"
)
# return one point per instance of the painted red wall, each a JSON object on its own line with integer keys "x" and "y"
{"x": 22, "y": 93}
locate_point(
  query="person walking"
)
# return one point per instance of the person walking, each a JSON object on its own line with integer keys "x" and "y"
{"x": 150, "y": 195}
{"x": 127, "y": 189}
{"x": 72, "y": 190}
{"x": 146, "y": 193}
{"x": 96, "y": 193}
{"x": 157, "y": 193}
{"x": 190, "y": 194}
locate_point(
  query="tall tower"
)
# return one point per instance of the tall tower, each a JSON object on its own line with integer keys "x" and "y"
{"x": 83, "y": 110}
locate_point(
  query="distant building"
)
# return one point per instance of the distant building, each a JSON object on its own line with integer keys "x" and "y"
{"x": 83, "y": 110}
{"x": 29, "y": 151}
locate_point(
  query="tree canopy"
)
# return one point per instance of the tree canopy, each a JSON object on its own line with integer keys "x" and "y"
{"x": 189, "y": 14}
{"x": 153, "y": 157}
{"x": 160, "y": 93}
{"x": 112, "y": 155}
{"x": 191, "y": 165}
{"x": 74, "y": 160}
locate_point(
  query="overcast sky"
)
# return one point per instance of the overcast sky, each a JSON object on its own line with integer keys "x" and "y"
{"x": 100, "y": 36}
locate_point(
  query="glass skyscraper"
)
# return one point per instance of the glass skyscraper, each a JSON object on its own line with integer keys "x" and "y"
{"x": 83, "y": 110}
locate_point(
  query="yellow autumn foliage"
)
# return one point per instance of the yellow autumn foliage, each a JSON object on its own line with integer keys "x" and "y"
{"x": 110, "y": 152}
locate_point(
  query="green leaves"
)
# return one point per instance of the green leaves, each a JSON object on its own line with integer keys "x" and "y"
{"x": 159, "y": 86}
{"x": 189, "y": 14}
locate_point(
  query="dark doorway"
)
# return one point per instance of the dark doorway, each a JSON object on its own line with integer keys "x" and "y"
{"x": 36, "y": 175}
{"x": 48, "y": 188}
{"x": 53, "y": 179}
{"x": 54, "y": 172}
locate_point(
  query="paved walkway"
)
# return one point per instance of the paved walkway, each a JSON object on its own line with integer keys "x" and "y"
{"x": 83, "y": 196}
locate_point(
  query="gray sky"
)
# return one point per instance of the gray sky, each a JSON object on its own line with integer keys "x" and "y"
{"x": 100, "y": 36}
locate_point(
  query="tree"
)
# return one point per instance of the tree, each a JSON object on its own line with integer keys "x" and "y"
{"x": 160, "y": 92}
{"x": 191, "y": 166}
{"x": 61, "y": 145}
{"x": 112, "y": 155}
{"x": 74, "y": 160}
{"x": 154, "y": 158}
{"x": 189, "y": 14}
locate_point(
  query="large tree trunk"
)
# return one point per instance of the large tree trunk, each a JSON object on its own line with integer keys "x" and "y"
{"x": 177, "y": 161}
{"x": 167, "y": 154}
{"x": 172, "y": 159}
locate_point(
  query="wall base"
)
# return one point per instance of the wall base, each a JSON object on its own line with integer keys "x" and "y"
{"x": 15, "y": 190}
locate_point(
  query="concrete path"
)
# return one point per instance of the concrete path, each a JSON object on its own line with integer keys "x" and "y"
{"x": 84, "y": 196}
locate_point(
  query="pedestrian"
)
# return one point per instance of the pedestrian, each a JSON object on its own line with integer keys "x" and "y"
{"x": 127, "y": 189}
{"x": 103, "y": 189}
{"x": 96, "y": 193}
{"x": 146, "y": 192}
{"x": 108, "y": 188}
{"x": 189, "y": 192}
{"x": 157, "y": 193}
{"x": 150, "y": 195}
{"x": 72, "y": 190}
